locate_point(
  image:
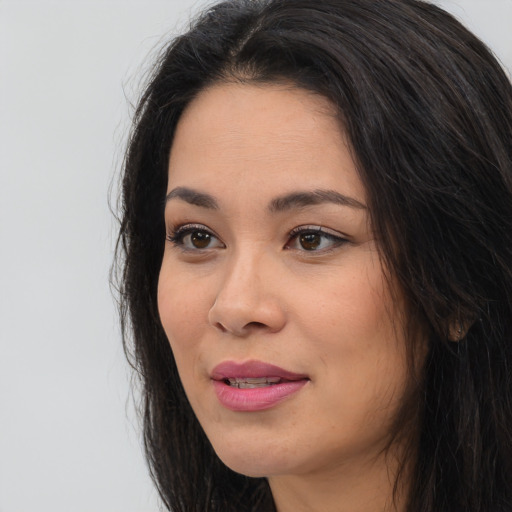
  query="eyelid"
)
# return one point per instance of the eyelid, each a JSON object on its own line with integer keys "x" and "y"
{"x": 315, "y": 228}
{"x": 336, "y": 238}
{"x": 176, "y": 234}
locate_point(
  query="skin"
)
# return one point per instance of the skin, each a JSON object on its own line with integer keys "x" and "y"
{"x": 250, "y": 288}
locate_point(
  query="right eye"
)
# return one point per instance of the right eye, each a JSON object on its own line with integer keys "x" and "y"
{"x": 194, "y": 238}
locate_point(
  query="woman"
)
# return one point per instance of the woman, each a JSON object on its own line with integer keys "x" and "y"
{"x": 317, "y": 278}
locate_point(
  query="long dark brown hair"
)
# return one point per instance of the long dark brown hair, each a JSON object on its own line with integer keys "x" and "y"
{"x": 428, "y": 112}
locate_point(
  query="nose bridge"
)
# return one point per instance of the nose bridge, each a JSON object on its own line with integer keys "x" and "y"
{"x": 246, "y": 298}
{"x": 245, "y": 269}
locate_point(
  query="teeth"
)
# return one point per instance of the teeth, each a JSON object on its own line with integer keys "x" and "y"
{"x": 253, "y": 382}
{"x": 260, "y": 380}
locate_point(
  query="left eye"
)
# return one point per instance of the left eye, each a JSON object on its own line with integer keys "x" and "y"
{"x": 313, "y": 239}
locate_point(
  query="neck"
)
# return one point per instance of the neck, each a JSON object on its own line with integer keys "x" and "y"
{"x": 355, "y": 487}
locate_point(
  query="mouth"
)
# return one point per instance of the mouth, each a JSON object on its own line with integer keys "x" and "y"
{"x": 253, "y": 373}
{"x": 254, "y": 385}
{"x": 252, "y": 382}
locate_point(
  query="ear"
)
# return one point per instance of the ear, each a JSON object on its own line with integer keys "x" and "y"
{"x": 458, "y": 329}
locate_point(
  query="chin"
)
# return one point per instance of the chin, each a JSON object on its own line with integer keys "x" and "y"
{"x": 255, "y": 460}
{"x": 255, "y": 466}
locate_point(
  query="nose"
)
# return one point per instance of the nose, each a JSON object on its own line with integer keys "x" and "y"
{"x": 249, "y": 299}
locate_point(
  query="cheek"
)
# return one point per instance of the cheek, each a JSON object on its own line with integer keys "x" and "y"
{"x": 357, "y": 332}
{"x": 183, "y": 312}
{"x": 354, "y": 306}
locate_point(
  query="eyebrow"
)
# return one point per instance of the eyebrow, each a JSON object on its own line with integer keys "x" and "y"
{"x": 193, "y": 197}
{"x": 297, "y": 200}
{"x": 294, "y": 200}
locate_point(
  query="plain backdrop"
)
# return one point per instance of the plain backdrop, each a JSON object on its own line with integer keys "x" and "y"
{"x": 69, "y": 73}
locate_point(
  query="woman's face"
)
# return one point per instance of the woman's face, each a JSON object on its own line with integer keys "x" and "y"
{"x": 271, "y": 292}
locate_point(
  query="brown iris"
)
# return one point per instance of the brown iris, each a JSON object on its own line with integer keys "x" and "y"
{"x": 200, "y": 239}
{"x": 310, "y": 241}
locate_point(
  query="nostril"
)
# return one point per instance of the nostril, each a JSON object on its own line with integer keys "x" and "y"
{"x": 241, "y": 318}
{"x": 220, "y": 327}
{"x": 256, "y": 325}
{"x": 244, "y": 330}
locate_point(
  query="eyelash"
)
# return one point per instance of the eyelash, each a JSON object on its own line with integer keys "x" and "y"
{"x": 335, "y": 239}
{"x": 177, "y": 235}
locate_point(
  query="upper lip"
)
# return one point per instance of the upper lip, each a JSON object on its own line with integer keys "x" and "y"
{"x": 252, "y": 369}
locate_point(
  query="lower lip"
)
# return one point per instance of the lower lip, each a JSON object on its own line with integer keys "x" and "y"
{"x": 255, "y": 399}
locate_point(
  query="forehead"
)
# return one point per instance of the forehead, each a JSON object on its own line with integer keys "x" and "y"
{"x": 259, "y": 135}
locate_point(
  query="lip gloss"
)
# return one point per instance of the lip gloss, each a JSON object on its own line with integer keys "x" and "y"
{"x": 240, "y": 386}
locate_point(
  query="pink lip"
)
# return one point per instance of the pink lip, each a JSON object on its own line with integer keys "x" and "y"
{"x": 255, "y": 399}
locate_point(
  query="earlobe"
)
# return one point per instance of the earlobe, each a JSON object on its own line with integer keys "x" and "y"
{"x": 456, "y": 333}
{"x": 458, "y": 330}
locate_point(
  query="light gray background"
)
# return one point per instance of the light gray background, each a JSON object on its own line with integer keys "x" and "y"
{"x": 69, "y": 439}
